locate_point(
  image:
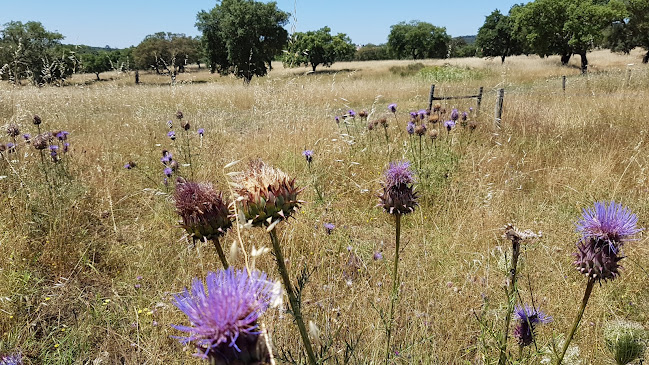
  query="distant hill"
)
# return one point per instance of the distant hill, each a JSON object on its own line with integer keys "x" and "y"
{"x": 469, "y": 39}
{"x": 80, "y": 48}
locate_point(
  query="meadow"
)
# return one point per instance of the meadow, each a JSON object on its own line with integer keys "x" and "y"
{"x": 91, "y": 252}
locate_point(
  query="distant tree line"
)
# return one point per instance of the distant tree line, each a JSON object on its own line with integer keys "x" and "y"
{"x": 243, "y": 37}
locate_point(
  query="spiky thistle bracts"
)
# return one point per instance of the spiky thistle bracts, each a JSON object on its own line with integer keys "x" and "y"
{"x": 527, "y": 318}
{"x": 224, "y": 318}
{"x": 397, "y": 195}
{"x": 203, "y": 210}
{"x": 604, "y": 229}
{"x": 266, "y": 194}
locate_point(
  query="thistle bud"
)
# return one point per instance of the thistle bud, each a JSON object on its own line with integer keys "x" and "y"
{"x": 420, "y": 130}
{"x": 13, "y": 130}
{"x": 37, "y": 120}
{"x": 203, "y": 210}
{"x": 397, "y": 195}
{"x": 179, "y": 115}
{"x": 40, "y": 142}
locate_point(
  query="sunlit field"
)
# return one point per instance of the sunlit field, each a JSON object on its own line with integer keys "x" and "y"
{"x": 91, "y": 253}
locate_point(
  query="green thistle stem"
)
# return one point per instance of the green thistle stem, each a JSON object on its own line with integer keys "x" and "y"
{"x": 511, "y": 299}
{"x": 219, "y": 251}
{"x": 575, "y": 325}
{"x": 295, "y": 305}
{"x": 395, "y": 286}
{"x": 419, "y": 153}
{"x": 315, "y": 183}
{"x": 189, "y": 155}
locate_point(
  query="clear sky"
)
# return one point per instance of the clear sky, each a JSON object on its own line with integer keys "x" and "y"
{"x": 123, "y": 23}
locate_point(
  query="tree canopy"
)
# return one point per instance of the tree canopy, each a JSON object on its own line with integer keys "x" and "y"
{"x": 418, "y": 40}
{"x": 496, "y": 37}
{"x": 563, "y": 27}
{"x": 242, "y": 37}
{"x": 166, "y": 52}
{"x": 318, "y": 48}
{"x": 631, "y": 28}
{"x": 29, "y": 51}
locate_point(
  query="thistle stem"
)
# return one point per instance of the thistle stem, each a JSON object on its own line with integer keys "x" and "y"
{"x": 575, "y": 325}
{"x": 295, "y": 305}
{"x": 219, "y": 251}
{"x": 395, "y": 286}
{"x": 511, "y": 299}
{"x": 420, "y": 153}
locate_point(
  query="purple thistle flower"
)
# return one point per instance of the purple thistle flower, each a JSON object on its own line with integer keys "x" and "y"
{"x": 66, "y": 147}
{"x": 398, "y": 173}
{"x": 27, "y": 136}
{"x": 11, "y": 359}
{"x": 392, "y": 108}
{"x": 411, "y": 127}
{"x": 201, "y": 131}
{"x": 397, "y": 195}
{"x": 168, "y": 171}
{"x": 172, "y": 135}
{"x": 422, "y": 114}
{"x": 377, "y": 256}
{"x": 413, "y": 115}
{"x": 11, "y": 147}
{"x": 449, "y": 124}
{"x": 609, "y": 222}
{"x": 128, "y": 166}
{"x": 54, "y": 147}
{"x": 528, "y": 318}
{"x": 62, "y": 135}
{"x": 308, "y": 154}
{"x": 170, "y": 124}
{"x": 224, "y": 317}
{"x": 455, "y": 114}
{"x": 465, "y": 115}
{"x": 166, "y": 158}
{"x": 351, "y": 113}
{"x": 337, "y": 119}
{"x": 329, "y": 227}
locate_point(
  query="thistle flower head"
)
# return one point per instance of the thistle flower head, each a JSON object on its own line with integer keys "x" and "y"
{"x": 449, "y": 124}
{"x": 185, "y": 125}
{"x": 11, "y": 359}
{"x": 433, "y": 133}
{"x": 371, "y": 124}
{"x": 329, "y": 227}
{"x": 13, "y": 130}
{"x": 437, "y": 107}
{"x": 351, "y": 113}
{"x": 130, "y": 165}
{"x": 66, "y": 147}
{"x": 170, "y": 124}
{"x": 465, "y": 115}
{"x": 37, "y": 120}
{"x": 179, "y": 115}
{"x": 201, "y": 131}
{"x": 434, "y": 118}
{"x": 392, "y": 108}
{"x": 11, "y": 147}
{"x": 41, "y": 141}
{"x": 410, "y": 127}
{"x": 308, "y": 155}
{"x": 421, "y": 114}
{"x": 472, "y": 125}
{"x": 413, "y": 115}
{"x": 527, "y": 318}
{"x": 363, "y": 114}
{"x": 204, "y": 211}
{"x": 604, "y": 229}
{"x": 266, "y": 194}
{"x": 168, "y": 171}
{"x": 455, "y": 114}
{"x": 337, "y": 119}
{"x": 398, "y": 195}
{"x": 383, "y": 122}
{"x": 420, "y": 130}
{"x": 27, "y": 137}
{"x": 62, "y": 135}
{"x": 224, "y": 318}
{"x": 171, "y": 135}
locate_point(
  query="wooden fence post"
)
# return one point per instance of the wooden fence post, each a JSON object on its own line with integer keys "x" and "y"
{"x": 499, "y": 108}
{"x": 430, "y": 97}
{"x": 477, "y": 112}
{"x": 563, "y": 83}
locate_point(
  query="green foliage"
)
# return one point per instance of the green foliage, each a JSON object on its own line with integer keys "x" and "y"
{"x": 372, "y": 52}
{"x": 242, "y": 37}
{"x": 631, "y": 27}
{"x": 450, "y": 73}
{"x": 418, "y": 40}
{"x": 28, "y": 51}
{"x": 562, "y": 27}
{"x": 496, "y": 37}
{"x": 318, "y": 48}
{"x": 166, "y": 52}
{"x": 625, "y": 340}
{"x": 458, "y": 47}
{"x": 96, "y": 63}
{"x": 408, "y": 70}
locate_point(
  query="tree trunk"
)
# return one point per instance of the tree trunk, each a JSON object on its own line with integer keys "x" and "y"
{"x": 565, "y": 58}
{"x": 584, "y": 63}
{"x": 645, "y": 59}
{"x": 313, "y": 66}
{"x": 97, "y": 73}
{"x": 502, "y": 59}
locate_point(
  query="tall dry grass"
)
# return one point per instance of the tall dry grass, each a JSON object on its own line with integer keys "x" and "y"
{"x": 90, "y": 279}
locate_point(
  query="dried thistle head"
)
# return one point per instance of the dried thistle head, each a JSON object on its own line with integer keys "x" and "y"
{"x": 384, "y": 122}
{"x": 472, "y": 125}
{"x": 437, "y": 107}
{"x": 371, "y": 124}
{"x": 179, "y": 115}
{"x": 13, "y": 130}
{"x": 420, "y": 130}
{"x": 363, "y": 114}
{"x": 37, "y": 120}
{"x": 185, "y": 125}
{"x": 204, "y": 211}
{"x": 266, "y": 194}
{"x": 41, "y": 141}
{"x": 433, "y": 134}
{"x": 433, "y": 118}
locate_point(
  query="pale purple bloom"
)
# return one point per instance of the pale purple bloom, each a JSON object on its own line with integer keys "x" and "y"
{"x": 392, "y": 107}
{"x": 171, "y": 135}
{"x": 455, "y": 114}
{"x": 11, "y": 147}
{"x": 609, "y": 222}
{"x": 351, "y": 113}
{"x": 66, "y": 147}
{"x": 166, "y": 158}
{"x": 337, "y": 119}
{"x": 11, "y": 359}
{"x": 201, "y": 131}
{"x": 377, "y": 256}
{"x": 54, "y": 147}
{"x": 413, "y": 115}
{"x": 329, "y": 227}
{"x": 168, "y": 171}
{"x": 527, "y": 319}
{"x": 464, "y": 115}
{"x": 27, "y": 136}
{"x": 128, "y": 166}
{"x": 308, "y": 154}
{"x": 227, "y": 311}
{"x": 399, "y": 173}
{"x": 170, "y": 124}
{"x": 422, "y": 114}
{"x": 62, "y": 135}
{"x": 411, "y": 127}
{"x": 449, "y": 124}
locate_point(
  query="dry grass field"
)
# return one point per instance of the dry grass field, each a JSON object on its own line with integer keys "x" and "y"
{"x": 91, "y": 253}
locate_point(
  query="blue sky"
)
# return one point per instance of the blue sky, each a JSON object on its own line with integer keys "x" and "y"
{"x": 122, "y": 23}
